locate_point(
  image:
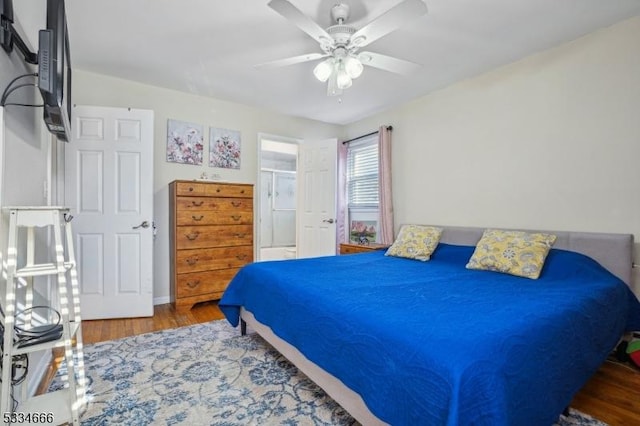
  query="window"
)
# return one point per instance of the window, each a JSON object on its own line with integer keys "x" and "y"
{"x": 362, "y": 189}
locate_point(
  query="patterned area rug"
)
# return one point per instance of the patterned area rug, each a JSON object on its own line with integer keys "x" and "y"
{"x": 207, "y": 374}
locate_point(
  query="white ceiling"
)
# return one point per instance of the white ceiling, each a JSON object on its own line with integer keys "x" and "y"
{"x": 210, "y": 47}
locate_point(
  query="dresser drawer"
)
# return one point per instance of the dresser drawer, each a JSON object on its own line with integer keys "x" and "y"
{"x": 216, "y": 204}
{"x": 190, "y": 237}
{"x": 196, "y": 189}
{"x": 212, "y": 259}
{"x": 344, "y": 249}
{"x": 201, "y": 217}
{"x": 204, "y": 282}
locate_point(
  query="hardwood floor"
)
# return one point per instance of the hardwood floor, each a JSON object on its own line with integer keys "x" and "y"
{"x": 612, "y": 395}
{"x": 164, "y": 317}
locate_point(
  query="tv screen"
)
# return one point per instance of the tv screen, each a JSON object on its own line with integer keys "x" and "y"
{"x": 54, "y": 71}
{"x": 6, "y": 13}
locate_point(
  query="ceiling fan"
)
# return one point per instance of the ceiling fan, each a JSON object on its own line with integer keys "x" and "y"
{"x": 341, "y": 43}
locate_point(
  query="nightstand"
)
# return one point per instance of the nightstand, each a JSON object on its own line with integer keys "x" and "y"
{"x": 351, "y": 248}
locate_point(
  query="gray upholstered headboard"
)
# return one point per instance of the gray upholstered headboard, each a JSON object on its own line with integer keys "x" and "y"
{"x": 613, "y": 251}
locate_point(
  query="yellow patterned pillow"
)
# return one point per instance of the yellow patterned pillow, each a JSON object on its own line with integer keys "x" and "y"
{"x": 512, "y": 252}
{"x": 415, "y": 242}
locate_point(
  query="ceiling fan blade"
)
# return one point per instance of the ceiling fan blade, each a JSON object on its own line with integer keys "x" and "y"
{"x": 388, "y": 63}
{"x": 293, "y": 14}
{"x": 291, "y": 61}
{"x": 389, "y": 21}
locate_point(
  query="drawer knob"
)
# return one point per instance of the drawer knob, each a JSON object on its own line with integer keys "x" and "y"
{"x": 236, "y": 203}
{"x": 192, "y": 236}
{"x": 197, "y": 219}
{"x": 191, "y": 189}
{"x": 242, "y": 192}
{"x": 236, "y": 217}
{"x": 241, "y": 256}
{"x": 240, "y": 235}
{"x": 193, "y": 284}
{"x": 217, "y": 189}
{"x": 192, "y": 260}
{"x": 197, "y": 204}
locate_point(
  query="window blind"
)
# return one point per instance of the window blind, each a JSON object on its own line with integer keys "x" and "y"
{"x": 362, "y": 173}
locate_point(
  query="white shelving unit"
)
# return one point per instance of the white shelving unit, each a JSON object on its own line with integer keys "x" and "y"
{"x": 65, "y": 405}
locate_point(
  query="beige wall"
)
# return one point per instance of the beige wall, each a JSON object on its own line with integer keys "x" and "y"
{"x": 551, "y": 142}
{"x": 95, "y": 89}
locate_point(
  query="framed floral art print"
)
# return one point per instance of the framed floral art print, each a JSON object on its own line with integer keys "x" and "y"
{"x": 224, "y": 148}
{"x": 184, "y": 142}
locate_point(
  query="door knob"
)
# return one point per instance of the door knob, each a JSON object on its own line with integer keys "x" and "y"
{"x": 144, "y": 224}
{"x": 328, "y": 220}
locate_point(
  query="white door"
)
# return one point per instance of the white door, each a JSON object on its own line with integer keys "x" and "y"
{"x": 109, "y": 188}
{"x": 317, "y": 198}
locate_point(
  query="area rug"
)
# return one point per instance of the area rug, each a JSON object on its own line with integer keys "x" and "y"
{"x": 207, "y": 374}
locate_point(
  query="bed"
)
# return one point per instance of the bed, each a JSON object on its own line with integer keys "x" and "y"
{"x": 399, "y": 341}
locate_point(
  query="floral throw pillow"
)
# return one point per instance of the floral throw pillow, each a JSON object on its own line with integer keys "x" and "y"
{"x": 415, "y": 242}
{"x": 512, "y": 252}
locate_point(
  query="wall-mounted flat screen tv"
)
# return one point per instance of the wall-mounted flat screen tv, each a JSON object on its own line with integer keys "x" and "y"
{"x": 54, "y": 71}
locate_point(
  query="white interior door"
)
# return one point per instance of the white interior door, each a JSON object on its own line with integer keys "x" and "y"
{"x": 109, "y": 188}
{"x": 317, "y": 198}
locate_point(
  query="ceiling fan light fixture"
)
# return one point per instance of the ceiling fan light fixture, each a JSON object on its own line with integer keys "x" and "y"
{"x": 323, "y": 70}
{"x": 343, "y": 81}
{"x": 353, "y": 67}
{"x": 341, "y": 42}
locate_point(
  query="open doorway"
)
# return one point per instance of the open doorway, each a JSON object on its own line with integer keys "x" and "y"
{"x": 277, "y": 182}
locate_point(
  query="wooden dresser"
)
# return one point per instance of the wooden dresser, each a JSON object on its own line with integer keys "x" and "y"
{"x": 211, "y": 226}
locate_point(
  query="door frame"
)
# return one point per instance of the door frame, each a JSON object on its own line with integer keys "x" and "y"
{"x": 258, "y": 187}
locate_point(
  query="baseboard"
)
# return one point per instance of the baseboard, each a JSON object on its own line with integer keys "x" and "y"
{"x": 161, "y": 300}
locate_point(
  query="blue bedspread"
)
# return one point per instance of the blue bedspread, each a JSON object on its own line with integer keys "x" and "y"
{"x": 434, "y": 343}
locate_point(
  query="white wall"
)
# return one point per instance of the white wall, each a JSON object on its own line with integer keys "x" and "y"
{"x": 549, "y": 142}
{"x": 95, "y": 89}
{"x": 25, "y": 149}
{"x": 23, "y": 171}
